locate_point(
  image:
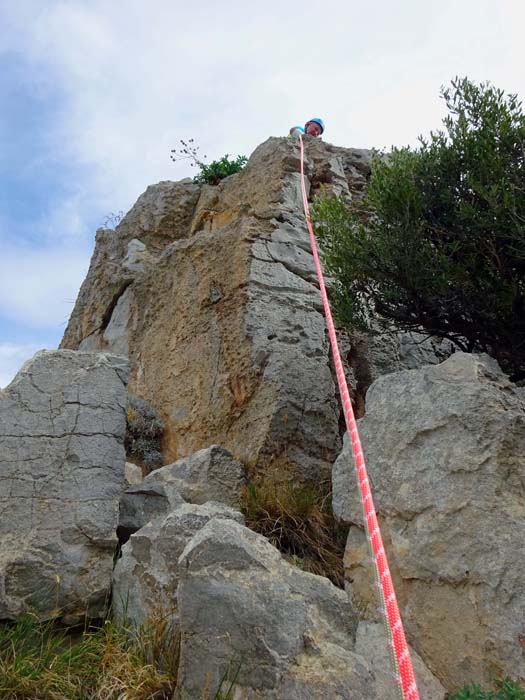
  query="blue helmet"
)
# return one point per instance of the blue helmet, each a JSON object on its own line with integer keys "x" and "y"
{"x": 319, "y": 121}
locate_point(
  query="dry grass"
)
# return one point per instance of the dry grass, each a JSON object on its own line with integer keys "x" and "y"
{"x": 297, "y": 518}
{"x": 40, "y": 661}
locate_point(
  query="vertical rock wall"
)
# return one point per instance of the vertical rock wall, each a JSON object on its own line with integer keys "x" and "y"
{"x": 211, "y": 292}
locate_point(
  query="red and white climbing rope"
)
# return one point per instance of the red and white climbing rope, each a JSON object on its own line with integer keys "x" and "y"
{"x": 401, "y": 652}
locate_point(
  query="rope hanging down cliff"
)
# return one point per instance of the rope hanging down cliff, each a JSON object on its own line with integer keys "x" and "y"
{"x": 402, "y": 658}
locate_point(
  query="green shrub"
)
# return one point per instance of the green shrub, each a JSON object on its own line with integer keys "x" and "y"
{"x": 217, "y": 170}
{"x": 505, "y": 690}
{"x": 144, "y": 430}
{"x": 210, "y": 173}
{"x": 438, "y": 241}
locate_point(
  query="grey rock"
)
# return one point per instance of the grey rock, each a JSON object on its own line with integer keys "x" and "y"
{"x": 143, "y": 502}
{"x": 418, "y": 350}
{"x": 385, "y": 350}
{"x": 115, "y": 334}
{"x": 281, "y": 632}
{"x": 444, "y": 449}
{"x": 134, "y": 260}
{"x": 211, "y": 474}
{"x": 62, "y": 425}
{"x": 372, "y": 644}
{"x": 146, "y": 576}
{"x": 161, "y": 215}
{"x": 132, "y": 474}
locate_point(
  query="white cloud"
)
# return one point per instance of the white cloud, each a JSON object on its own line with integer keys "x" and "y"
{"x": 38, "y": 287}
{"x": 136, "y": 77}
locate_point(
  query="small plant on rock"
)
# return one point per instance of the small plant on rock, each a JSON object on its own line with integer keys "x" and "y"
{"x": 112, "y": 220}
{"x": 144, "y": 431}
{"x": 210, "y": 173}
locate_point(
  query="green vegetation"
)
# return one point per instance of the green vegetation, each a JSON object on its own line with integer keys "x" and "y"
{"x": 210, "y": 173}
{"x": 505, "y": 690}
{"x": 438, "y": 241}
{"x": 40, "y": 661}
{"x": 217, "y": 170}
{"x": 144, "y": 429}
{"x": 297, "y": 518}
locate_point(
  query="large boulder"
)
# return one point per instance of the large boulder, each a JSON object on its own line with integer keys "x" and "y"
{"x": 444, "y": 449}
{"x": 256, "y": 626}
{"x": 211, "y": 291}
{"x": 146, "y": 575}
{"x": 62, "y": 425}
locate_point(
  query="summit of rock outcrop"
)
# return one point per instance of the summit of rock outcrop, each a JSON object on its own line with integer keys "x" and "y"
{"x": 211, "y": 293}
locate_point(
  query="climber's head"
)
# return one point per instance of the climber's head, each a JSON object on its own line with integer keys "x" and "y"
{"x": 314, "y": 127}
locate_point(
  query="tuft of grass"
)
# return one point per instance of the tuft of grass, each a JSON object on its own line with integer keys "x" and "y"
{"x": 41, "y": 661}
{"x": 505, "y": 689}
{"x": 297, "y": 518}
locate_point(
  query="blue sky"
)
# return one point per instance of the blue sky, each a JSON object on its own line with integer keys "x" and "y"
{"x": 95, "y": 94}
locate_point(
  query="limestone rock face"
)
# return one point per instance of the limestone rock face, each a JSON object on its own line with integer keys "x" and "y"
{"x": 211, "y": 292}
{"x": 146, "y": 576}
{"x": 132, "y": 474}
{"x": 143, "y": 502}
{"x": 279, "y": 631}
{"x": 240, "y": 603}
{"x": 384, "y": 350}
{"x": 62, "y": 425}
{"x": 212, "y": 474}
{"x": 444, "y": 448}
{"x": 373, "y": 644}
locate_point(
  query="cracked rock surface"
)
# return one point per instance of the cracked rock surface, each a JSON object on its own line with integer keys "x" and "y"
{"x": 444, "y": 450}
{"x": 147, "y": 573}
{"x": 62, "y": 425}
{"x": 211, "y": 292}
{"x": 283, "y": 633}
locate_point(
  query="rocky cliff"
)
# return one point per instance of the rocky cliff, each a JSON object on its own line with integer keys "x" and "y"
{"x": 211, "y": 293}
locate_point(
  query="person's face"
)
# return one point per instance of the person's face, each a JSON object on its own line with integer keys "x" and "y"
{"x": 312, "y": 129}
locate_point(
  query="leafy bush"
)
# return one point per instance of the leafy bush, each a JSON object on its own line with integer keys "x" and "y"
{"x": 210, "y": 173}
{"x": 297, "y": 519}
{"x": 217, "y": 170}
{"x": 144, "y": 431}
{"x": 438, "y": 242}
{"x": 505, "y": 690}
